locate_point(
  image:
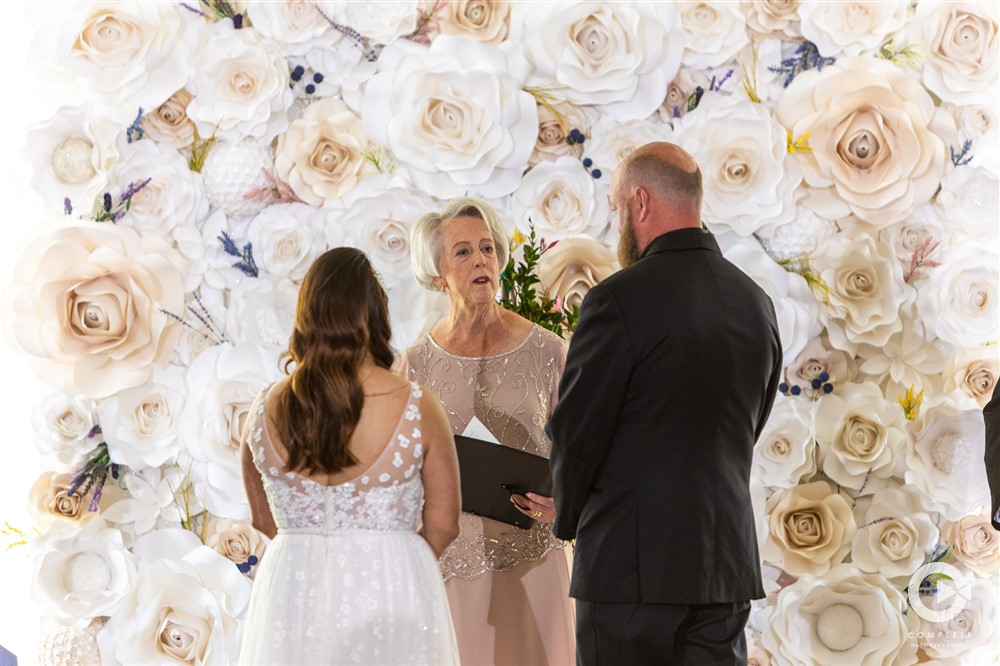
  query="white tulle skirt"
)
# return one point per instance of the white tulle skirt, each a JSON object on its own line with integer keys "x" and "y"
{"x": 350, "y": 597}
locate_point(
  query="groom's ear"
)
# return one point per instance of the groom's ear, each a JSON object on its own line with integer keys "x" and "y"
{"x": 640, "y": 204}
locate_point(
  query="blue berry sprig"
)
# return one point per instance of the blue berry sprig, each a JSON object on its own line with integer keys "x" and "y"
{"x": 251, "y": 562}
{"x": 576, "y": 138}
{"x": 817, "y": 387}
{"x": 299, "y": 74}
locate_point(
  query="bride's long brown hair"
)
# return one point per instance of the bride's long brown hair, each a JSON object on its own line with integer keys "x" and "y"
{"x": 341, "y": 317}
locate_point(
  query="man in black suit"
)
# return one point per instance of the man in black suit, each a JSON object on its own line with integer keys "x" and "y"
{"x": 670, "y": 376}
{"x": 991, "y": 415}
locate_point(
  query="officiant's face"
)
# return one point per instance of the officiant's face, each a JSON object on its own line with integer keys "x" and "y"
{"x": 469, "y": 266}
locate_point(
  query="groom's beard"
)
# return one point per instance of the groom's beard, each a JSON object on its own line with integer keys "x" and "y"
{"x": 628, "y": 245}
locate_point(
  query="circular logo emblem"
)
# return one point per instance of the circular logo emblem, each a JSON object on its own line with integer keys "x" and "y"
{"x": 937, "y": 592}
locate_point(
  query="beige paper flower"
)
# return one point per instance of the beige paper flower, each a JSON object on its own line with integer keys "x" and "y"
{"x": 810, "y": 528}
{"x": 973, "y": 373}
{"x": 773, "y": 16}
{"x": 482, "y": 20}
{"x": 976, "y": 543}
{"x": 236, "y": 540}
{"x": 896, "y": 534}
{"x": 573, "y": 266}
{"x": 168, "y": 124}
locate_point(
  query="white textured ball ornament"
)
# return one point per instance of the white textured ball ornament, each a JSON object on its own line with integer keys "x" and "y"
{"x": 71, "y": 161}
{"x": 232, "y": 170}
{"x": 840, "y": 627}
{"x": 87, "y": 572}
{"x": 800, "y": 236}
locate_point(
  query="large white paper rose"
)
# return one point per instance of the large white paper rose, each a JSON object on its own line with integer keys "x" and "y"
{"x": 209, "y": 267}
{"x": 911, "y": 357}
{"x": 842, "y": 617}
{"x": 773, "y": 16}
{"x": 413, "y": 310}
{"x": 971, "y": 375}
{"x": 896, "y": 534}
{"x": 118, "y": 56}
{"x": 174, "y": 196}
{"x": 142, "y": 424}
{"x": 851, "y": 28}
{"x": 70, "y": 156}
{"x": 182, "y": 610}
{"x": 971, "y": 636}
{"x": 482, "y": 20}
{"x": 346, "y": 66}
{"x": 616, "y": 56}
{"x": 81, "y": 572}
{"x": 786, "y": 451}
{"x": 380, "y": 22}
{"x": 795, "y": 307}
{"x": 714, "y": 32}
{"x": 969, "y": 201}
{"x": 561, "y": 199}
{"x": 223, "y": 382}
{"x": 959, "y": 41}
{"x": 240, "y": 86}
{"x": 64, "y": 427}
{"x": 376, "y": 218}
{"x": 810, "y": 527}
{"x": 296, "y": 26}
{"x": 322, "y": 155}
{"x": 88, "y": 307}
{"x": 262, "y": 311}
{"x": 861, "y": 436}
{"x": 454, "y": 114}
{"x": 749, "y": 178}
{"x": 875, "y": 137}
{"x": 960, "y": 303}
{"x": 611, "y": 141}
{"x": 155, "y": 499}
{"x": 286, "y": 238}
{"x": 981, "y": 125}
{"x": 570, "y": 268}
{"x": 865, "y": 290}
{"x": 945, "y": 460}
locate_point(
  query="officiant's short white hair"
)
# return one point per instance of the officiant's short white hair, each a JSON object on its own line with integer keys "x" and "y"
{"x": 425, "y": 237}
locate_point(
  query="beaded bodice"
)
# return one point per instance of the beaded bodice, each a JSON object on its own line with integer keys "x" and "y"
{"x": 389, "y": 495}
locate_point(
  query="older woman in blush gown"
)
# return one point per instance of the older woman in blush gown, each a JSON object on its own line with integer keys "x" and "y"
{"x": 507, "y": 587}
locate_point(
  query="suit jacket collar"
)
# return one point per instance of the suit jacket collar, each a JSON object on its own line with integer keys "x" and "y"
{"x": 682, "y": 239}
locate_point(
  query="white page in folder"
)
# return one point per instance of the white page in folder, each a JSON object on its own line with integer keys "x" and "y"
{"x": 477, "y": 430}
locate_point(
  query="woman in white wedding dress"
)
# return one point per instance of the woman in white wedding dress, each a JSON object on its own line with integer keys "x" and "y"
{"x": 352, "y": 471}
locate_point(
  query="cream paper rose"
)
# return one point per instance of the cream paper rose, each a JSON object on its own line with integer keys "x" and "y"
{"x": 322, "y": 155}
{"x": 223, "y": 382}
{"x": 376, "y": 218}
{"x": 851, "y": 28}
{"x": 236, "y": 540}
{"x": 969, "y": 202}
{"x": 70, "y": 156}
{"x": 945, "y": 460}
{"x": 780, "y": 17}
{"x": 817, "y": 358}
{"x": 554, "y": 125}
{"x": 454, "y": 115}
{"x": 810, "y": 527}
{"x": 286, "y": 239}
{"x": 895, "y": 535}
{"x": 142, "y": 425}
{"x": 297, "y": 26}
{"x": 786, "y": 451}
{"x": 81, "y": 572}
{"x": 168, "y": 124}
{"x": 240, "y": 86}
{"x": 568, "y": 270}
{"x": 714, "y": 32}
{"x": 749, "y": 178}
{"x": 959, "y": 43}
{"x": 972, "y": 374}
{"x": 976, "y": 543}
{"x": 179, "y": 610}
{"x": 875, "y": 137}
{"x": 842, "y": 617}
{"x": 865, "y": 290}
{"x": 795, "y": 307}
{"x": 174, "y": 196}
{"x": 379, "y": 22}
{"x": 154, "y": 502}
{"x": 981, "y": 125}
{"x": 49, "y": 501}
{"x": 959, "y": 303}
{"x": 561, "y": 199}
{"x": 64, "y": 427}
{"x": 911, "y": 357}
{"x": 485, "y": 21}
{"x": 88, "y": 307}
{"x": 262, "y": 311}
{"x": 117, "y": 56}
{"x": 972, "y": 636}
{"x": 615, "y": 56}
{"x": 862, "y": 437}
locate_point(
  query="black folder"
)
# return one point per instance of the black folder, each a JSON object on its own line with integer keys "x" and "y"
{"x": 492, "y": 472}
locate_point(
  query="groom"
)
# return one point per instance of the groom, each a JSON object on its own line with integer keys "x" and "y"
{"x": 670, "y": 376}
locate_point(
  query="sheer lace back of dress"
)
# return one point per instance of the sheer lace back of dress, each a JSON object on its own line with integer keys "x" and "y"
{"x": 388, "y": 495}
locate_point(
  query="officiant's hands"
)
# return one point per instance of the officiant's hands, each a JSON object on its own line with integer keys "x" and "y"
{"x": 538, "y": 507}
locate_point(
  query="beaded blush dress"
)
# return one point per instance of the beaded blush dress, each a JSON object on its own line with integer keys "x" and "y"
{"x": 508, "y": 588}
{"x": 347, "y": 579}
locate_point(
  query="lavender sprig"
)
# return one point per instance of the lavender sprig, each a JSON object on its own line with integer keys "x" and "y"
{"x": 714, "y": 86}
{"x": 67, "y": 206}
{"x": 806, "y": 56}
{"x": 214, "y": 331}
{"x": 964, "y": 157}
{"x": 370, "y": 52}
{"x": 134, "y": 132}
{"x": 93, "y": 475}
{"x": 246, "y": 262}
{"x": 107, "y": 210}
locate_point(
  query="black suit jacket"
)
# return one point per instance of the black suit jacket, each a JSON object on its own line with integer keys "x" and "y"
{"x": 991, "y": 415}
{"x": 670, "y": 376}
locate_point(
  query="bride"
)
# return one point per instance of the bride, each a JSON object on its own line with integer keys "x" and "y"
{"x": 342, "y": 462}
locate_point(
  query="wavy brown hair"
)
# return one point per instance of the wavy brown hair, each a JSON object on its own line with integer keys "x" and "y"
{"x": 341, "y": 318}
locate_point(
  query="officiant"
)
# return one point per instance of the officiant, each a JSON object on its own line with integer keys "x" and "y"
{"x": 497, "y": 373}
